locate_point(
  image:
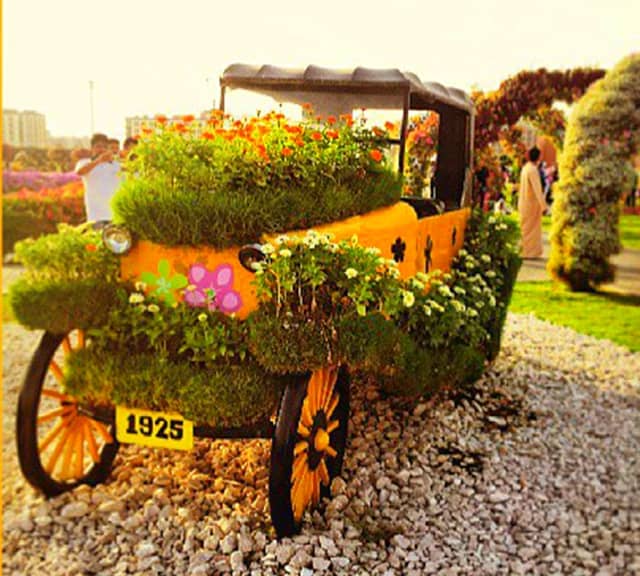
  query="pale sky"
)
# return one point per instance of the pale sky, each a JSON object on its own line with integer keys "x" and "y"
{"x": 151, "y": 56}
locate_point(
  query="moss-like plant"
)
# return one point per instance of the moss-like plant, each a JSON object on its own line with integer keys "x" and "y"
{"x": 222, "y": 395}
{"x": 603, "y": 132}
{"x": 71, "y": 281}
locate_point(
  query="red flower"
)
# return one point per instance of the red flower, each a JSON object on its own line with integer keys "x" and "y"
{"x": 188, "y": 118}
{"x": 299, "y": 142}
{"x": 287, "y": 151}
{"x": 389, "y": 126}
{"x": 317, "y": 136}
{"x": 347, "y": 119}
{"x": 161, "y": 119}
{"x": 207, "y": 136}
{"x": 592, "y": 210}
{"x": 331, "y": 120}
{"x": 180, "y": 127}
{"x": 376, "y": 155}
{"x": 333, "y": 134}
{"x": 90, "y": 247}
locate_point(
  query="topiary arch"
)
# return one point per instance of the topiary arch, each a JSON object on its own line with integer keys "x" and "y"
{"x": 603, "y": 132}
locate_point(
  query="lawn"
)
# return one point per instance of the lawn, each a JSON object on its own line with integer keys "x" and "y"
{"x": 629, "y": 230}
{"x": 607, "y": 315}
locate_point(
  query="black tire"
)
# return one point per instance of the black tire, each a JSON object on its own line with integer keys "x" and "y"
{"x": 286, "y": 436}
{"x": 27, "y": 429}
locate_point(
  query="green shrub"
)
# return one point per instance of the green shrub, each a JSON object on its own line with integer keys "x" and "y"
{"x": 71, "y": 281}
{"x": 603, "y": 132}
{"x": 60, "y": 306}
{"x": 224, "y": 395}
{"x": 236, "y": 182}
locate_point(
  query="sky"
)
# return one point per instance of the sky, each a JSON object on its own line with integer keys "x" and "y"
{"x": 151, "y": 56}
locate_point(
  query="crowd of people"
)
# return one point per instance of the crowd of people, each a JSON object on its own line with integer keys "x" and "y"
{"x": 101, "y": 175}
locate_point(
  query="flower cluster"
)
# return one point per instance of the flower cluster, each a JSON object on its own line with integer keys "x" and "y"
{"x": 33, "y": 180}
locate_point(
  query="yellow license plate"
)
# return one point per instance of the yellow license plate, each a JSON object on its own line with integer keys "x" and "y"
{"x": 156, "y": 429}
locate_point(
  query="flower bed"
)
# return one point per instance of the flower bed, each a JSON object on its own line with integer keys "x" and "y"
{"x": 14, "y": 180}
{"x": 29, "y": 214}
{"x": 240, "y": 179}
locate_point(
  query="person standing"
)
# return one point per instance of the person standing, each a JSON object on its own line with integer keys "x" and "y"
{"x": 101, "y": 178}
{"x": 531, "y": 206}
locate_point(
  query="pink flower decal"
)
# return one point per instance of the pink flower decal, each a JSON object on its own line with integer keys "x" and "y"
{"x": 213, "y": 289}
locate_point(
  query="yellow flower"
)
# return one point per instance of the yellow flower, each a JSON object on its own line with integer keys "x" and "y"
{"x": 202, "y": 317}
{"x": 408, "y": 299}
{"x": 351, "y": 272}
{"x": 153, "y": 308}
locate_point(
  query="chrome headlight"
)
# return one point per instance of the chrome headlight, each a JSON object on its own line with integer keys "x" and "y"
{"x": 117, "y": 239}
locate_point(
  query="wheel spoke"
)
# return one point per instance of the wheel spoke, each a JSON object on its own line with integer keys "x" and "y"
{"x": 64, "y": 411}
{"x": 79, "y": 451}
{"x": 300, "y": 447}
{"x": 68, "y": 452}
{"x": 81, "y": 341}
{"x": 333, "y": 425}
{"x": 102, "y": 430}
{"x": 332, "y": 406}
{"x": 307, "y": 418}
{"x": 57, "y": 395}
{"x": 324, "y": 472}
{"x": 299, "y": 465}
{"x": 331, "y": 452}
{"x": 51, "y": 435}
{"x": 66, "y": 345}
{"x": 58, "y": 449}
{"x": 56, "y": 371}
{"x": 303, "y": 430}
{"x": 91, "y": 442}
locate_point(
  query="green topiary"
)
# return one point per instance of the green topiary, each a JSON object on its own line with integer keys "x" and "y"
{"x": 224, "y": 395}
{"x": 603, "y": 132}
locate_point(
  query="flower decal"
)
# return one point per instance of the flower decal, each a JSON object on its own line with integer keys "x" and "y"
{"x": 164, "y": 285}
{"x": 213, "y": 289}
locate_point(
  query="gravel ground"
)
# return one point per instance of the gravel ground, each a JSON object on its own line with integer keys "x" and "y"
{"x": 534, "y": 470}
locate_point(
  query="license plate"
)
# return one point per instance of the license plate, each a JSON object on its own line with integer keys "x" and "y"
{"x": 156, "y": 429}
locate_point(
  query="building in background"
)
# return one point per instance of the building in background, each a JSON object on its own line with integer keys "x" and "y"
{"x": 135, "y": 124}
{"x": 68, "y": 142}
{"x": 25, "y": 129}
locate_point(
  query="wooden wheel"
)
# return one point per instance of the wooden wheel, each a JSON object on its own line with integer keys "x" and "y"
{"x": 308, "y": 445}
{"x": 59, "y": 446}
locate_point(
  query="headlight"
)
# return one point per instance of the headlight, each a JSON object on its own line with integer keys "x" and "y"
{"x": 117, "y": 238}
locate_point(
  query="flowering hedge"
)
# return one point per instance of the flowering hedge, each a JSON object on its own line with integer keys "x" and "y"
{"x": 29, "y": 214}
{"x": 603, "y": 133}
{"x": 240, "y": 179}
{"x": 13, "y": 181}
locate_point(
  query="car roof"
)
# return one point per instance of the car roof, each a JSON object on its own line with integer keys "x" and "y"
{"x": 343, "y": 90}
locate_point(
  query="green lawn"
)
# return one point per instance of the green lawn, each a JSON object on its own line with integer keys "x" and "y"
{"x": 629, "y": 230}
{"x": 607, "y": 315}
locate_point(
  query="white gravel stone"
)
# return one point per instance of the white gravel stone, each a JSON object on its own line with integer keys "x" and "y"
{"x": 533, "y": 470}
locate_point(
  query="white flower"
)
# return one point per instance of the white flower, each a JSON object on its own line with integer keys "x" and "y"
{"x": 284, "y": 239}
{"x": 408, "y": 299}
{"x": 459, "y": 291}
{"x": 267, "y": 248}
{"x": 485, "y": 258}
{"x": 462, "y": 252}
{"x": 415, "y": 283}
{"x": 445, "y": 291}
{"x": 140, "y": 286}
{"x": 373, "y": 250}
{"x": 479, "y": 304}
{"x": 153, "y": 308}
{"x": 426, "y": 310}
{"x": 491, "y": 274}
{"x": 458, "y": 306}
{"x": 492, "y": 220}
{"x": 437, "y": 307}
{"x": 471, "y": 312}
{"x": 394, "y": 272}
{"x": 136, "y": 298}
{"x": 202, "y": 317}
{"x": 351, "y": 272}
{"x": 285, "y": 253}
{"x": 492, "y": 301}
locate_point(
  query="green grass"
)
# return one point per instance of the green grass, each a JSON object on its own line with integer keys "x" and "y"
{"x": 607, "y": 315}
{"x": 629, "y": 230}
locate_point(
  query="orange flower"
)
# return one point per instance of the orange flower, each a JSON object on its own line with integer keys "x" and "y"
{"x": 307, "y": 106}
{"x": 90, "y": 247}
{"x": 316, "y": 136}
{"x": 161, "y": 119}
{"x": 287, "y": 151}
{"x": 376, "y": 155}
{"x": 207, "y": 136}
{"x": 333, "y": 134}
{"x": 378, "y": 131}
{"x": 188, "y": 118}
{"x": 180, "y": 127}
{"x": 347, "y": 119}
{"x": 331, "y": 120}
{"x": 147, "y": 130}
{"x": 389, "y": 126}
{"x": 299, "y": 142}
